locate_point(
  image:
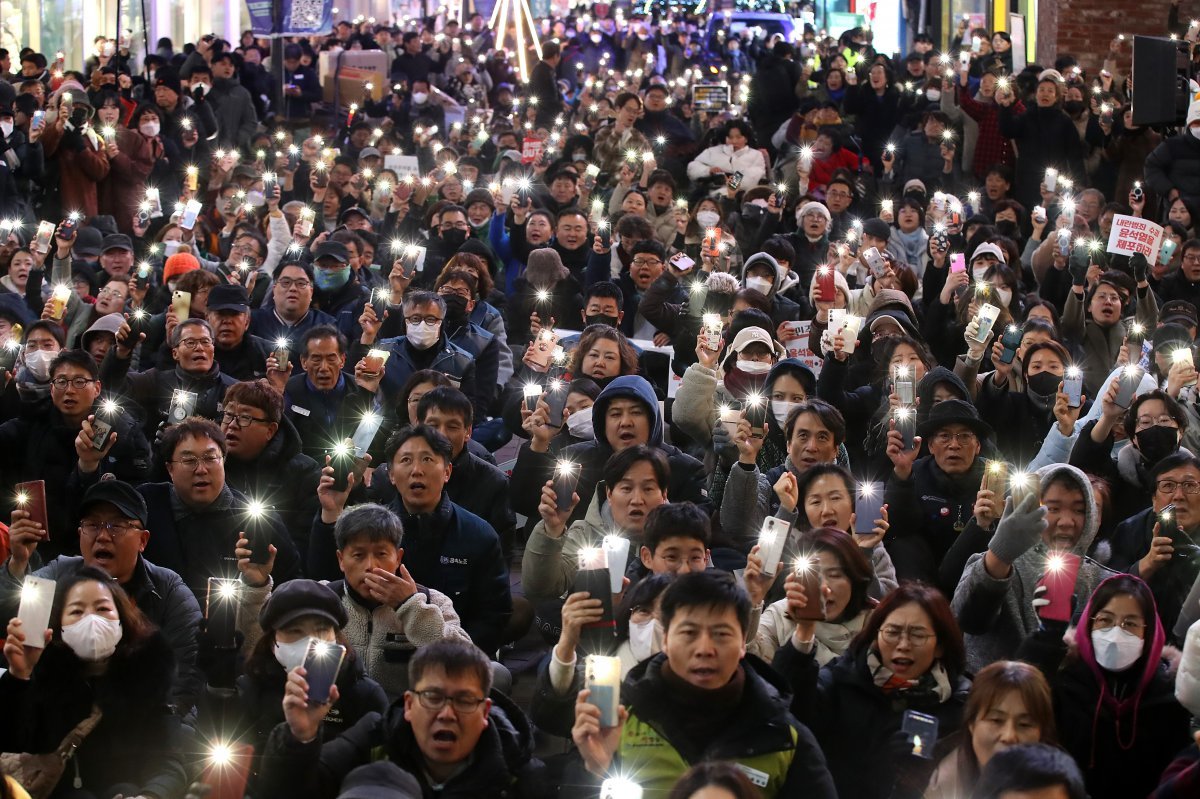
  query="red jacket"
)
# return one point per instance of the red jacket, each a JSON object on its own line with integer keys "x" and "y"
{"x": 78, "y": 171}
{"x": 991, "y": 147}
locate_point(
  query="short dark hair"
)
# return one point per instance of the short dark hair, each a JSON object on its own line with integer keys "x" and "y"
{"x": 259, "y": 394}
{"x": 676, "y": 520}
{"x": 455, "y": 658}
{"x": 661, "y": 176}
{"x": 376, "y": 522}
{"x": 320, "y": 332}
{"x": 625, "y": 97}
{"x": 449, "y": 399}
{"x": 1176, "y": 460}
{"x": 632, "y": 226}
{"x": 550, "y": 50}
{"x": 707, "y": 589}
{"x": 1028, "y": 767}
{"x": 621, "y": 462}
{"x": 779, "y": 248}
{"x": 437, "y": 442}
{"x": 195, "y": 427}
{"x": 830, "y": 416}
{"x": 53, "y": 328}
{"x": 75, "y": 358}
{"x": 652, "y": 246}
{"x": 604, "y": 289}
{"x": 1174, "y": 410}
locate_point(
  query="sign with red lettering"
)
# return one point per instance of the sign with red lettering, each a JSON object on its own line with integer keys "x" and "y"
{"x": 531, "y": 150}
{"x": 1132, "y": 234}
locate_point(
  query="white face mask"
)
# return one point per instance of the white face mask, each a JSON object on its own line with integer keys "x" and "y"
{"x": 760, "y": 284}
{"x": 149, "y": 129}
{"x": 707, "y": 219}
{"x": 579, "y": 424}
{"x": 753, "y": 367}
{"x": 170, "y": 248}
{"x": 1195, "y": 131}
{"x": 291, "y": 655}
{"x": 595, "y": 37}
{"x": 423, "y": 335}
{"x": 1116, "y": 650}
{"x": 7, "y": 127}
{"x": 781, "y": 409}
{"x": 1004, "y": 295}
{"x": 933, "y": 95}
{"x": 419, "y": 98}
{"x": 977, "y": 272}
{"x": 93, "y": 637}
{"x": 38, "y": 364}
{"x": 645, "y": 639}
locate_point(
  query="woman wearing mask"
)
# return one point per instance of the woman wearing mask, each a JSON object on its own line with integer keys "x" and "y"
{"x": 847, "y": 583}
{"x": 43, "y": 341}
{"x": 298, "y": 613}
{"x": 693, "y": 228}
{"x": 581, "y": 395}
{"x": 909, "y": 242}
{"x": 909, "y": 656}
{"x": 1114, "y": 701}
{"x": 139, "y": 157}
{"x": 105, "y": 666}
{"x": 1009, "y": 704}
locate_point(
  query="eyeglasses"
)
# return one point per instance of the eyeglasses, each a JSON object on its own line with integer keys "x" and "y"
{"x": 1164, "y": 420}
{"x": 466, "y": 295}
{"x": 1168, "y": 487}
{"x": 114, "y": 529}
{"x": 78, "y": 383}
{"x": 962, "y": 439}
{"x": 107, "y": 292}
{"x": 646, "y": 261}
{"x": 244, "y": 247}
{"x": 436, "y": 700}
{"x": 893, "y": 633}
{"x": 1192, "y": 258}
{"x": 196, "y": 343}
{"x": 286, "y": 283}
{"x": 192, "y": 462}
{"x": 240, "y": 419}
{"x": 1104, "y": 621}
{"x": 429, "y": 320}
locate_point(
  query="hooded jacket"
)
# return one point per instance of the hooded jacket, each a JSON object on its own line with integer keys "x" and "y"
{"x": 996, "y": 615}
{"x": 782, "y": 309}
{"x": 501, "y": 766}
{"x": 1123, "y": 729}
{"x": 533, "y": 469}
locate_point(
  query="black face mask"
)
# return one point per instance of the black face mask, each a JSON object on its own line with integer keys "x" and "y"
{"x": 1007, "y": 228}
{"x": 1073, "y": 107}
{"x": 600, "y": 319}
{"x": 1157, "y": 442}
{"x": 456, "y": 311}
{"x": 1044, "y": 384}
{"x": 454, "y": 238}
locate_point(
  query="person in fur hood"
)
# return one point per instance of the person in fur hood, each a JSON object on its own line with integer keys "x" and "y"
{"x": 994, "y": 598}
{"x": 101, "y": 654}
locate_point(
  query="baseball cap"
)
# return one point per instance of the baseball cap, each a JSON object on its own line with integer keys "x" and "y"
{"x": 329, "y": 249}
{"x": 228, "y": 297}
{"x": 116, "y": 241}
{"x": 121, "y": 495}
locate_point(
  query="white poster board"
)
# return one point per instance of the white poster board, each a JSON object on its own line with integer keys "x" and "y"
{"x": 1131, "y": 234}
{"x": 1016, "y": 29}
{"x": 797, "y": 346}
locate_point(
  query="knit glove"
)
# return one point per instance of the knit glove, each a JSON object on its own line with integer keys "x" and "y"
{"x": 723, "y": 446}
{"x": 1020, "y": 528}
{"x": 1078, "y": 266}
{"x": 1140, "y": 267}
{"x": 975, "y": 349}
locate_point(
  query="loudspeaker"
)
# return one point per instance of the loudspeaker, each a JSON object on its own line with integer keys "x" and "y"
{"x": 1160, "y": 80}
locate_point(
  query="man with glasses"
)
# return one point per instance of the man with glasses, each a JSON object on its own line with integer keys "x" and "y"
{"x": 1184, "y": 284}
{"x": 264, "y": 458}
{"x": 452, "y": 231}
{"x": 324, "y": 403}
{"x": 196, "y": 371}
{"x": 999, "y": 596}
{"x": 197, "y": 518}
{"x": 246, "y": 255}
{"x": 240, "y": 354}
{"x": 931, "y": 499}
{"x": 839, "y": 196}
{"x": 112, "y": 536}
{"x": 290, "y": 313}
{"x": 424, "y": 345}
{"x": 53, "y": 442}
{"x": 454, "y": 734}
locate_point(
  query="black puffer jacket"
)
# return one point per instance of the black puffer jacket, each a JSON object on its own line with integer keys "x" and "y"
{"x": 502, "y": 766}
{"x": 1175, "y": 164}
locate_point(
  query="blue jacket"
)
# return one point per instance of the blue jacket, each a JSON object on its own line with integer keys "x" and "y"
{"x": 450, "y": 359}
{"x": 322, "y": 418}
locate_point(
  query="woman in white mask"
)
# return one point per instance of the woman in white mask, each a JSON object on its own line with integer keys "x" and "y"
{"x": 134, "y": 152}
{"x": 298, "y": 614}
{"x": 693, "y": 229}
{"x": 1114, "y": 703}
{"x": 100, "y": 653}
{"x": 43, "y": 341}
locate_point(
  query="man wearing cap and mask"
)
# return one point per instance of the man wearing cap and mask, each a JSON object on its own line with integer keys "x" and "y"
{"x": 112, "y": 536}
{"x": 75, "y": 153}
{"x": 337, "y": 291}
{"x": 178, "y": 104}
{"x": 240, "y": 354}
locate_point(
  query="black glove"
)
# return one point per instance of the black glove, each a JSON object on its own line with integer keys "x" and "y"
{"x": 912, "y": 771}
{"x": 1140, "y": 266}
{"x": 1078, "y": 266}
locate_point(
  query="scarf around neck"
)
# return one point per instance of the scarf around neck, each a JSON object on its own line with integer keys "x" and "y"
{"x": 934, "y": 683}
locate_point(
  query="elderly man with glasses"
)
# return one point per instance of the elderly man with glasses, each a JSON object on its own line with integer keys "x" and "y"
{"x": 196, "y": 380}
{"x": 53, "y": 442}
{"x": 112, "y": 535}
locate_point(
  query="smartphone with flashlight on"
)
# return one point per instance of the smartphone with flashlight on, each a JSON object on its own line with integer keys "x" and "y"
{"x": 1062, "y": 568}
{"x": 321, "y": 667}
{"x": 221, "y": 611}
{"x": 31, "y": 498}
{"x": 1131, "y": 378}
{"x": 756, "y": 413}
{"x": 1073, "y": 386}
{"x": 1010, "y": 341}
{"x": 566, "y": 479}
{"x": 258, "y": 536}
{"x": 826, "y": 288}
{"x": 905, "y": 420}
{"x": 37, "y": 600}
{"x": 593, "y": 579}
{"x": 868, "y": 505}
{"x": 808, "y": 572}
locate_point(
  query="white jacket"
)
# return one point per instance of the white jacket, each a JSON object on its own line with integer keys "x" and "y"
{"x": 748, "y": 161}
{"x": 1187, "y": 679}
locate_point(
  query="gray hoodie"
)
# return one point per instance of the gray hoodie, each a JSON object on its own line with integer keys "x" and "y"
{"x": 997, "y": 615}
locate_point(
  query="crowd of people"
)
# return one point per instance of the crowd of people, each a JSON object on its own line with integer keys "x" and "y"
{"x": 841, "y": 451}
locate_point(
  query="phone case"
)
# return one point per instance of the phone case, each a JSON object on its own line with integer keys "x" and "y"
{"x": 31, "y": 498}
{"x": 221, "y": 611}
{"x": 1167, "y": 251}
{"x": 566, "y": 478}
{"x": 343, "y": 463}
{"x": 556, "y": 401}
{"x": 321, "y": 667}
{"x": 190, "y": 212}
{"x": 995, "y": 478}
{"x": 906, "y": 390}
{"x": 183, "y": 404}
{"x": 681, "y": 262}
{"x": 228, "y": 771}
{"x": 826, "y": 287}
{"x": 875, "y": 262}
{"x": 603, "y": 679}
{"x": 102, "y": 427}
{"x": 543, "y": 349}
{"x": 924, "y": 731}
{"x": 771, "y": 540}
{"x": 258, "y": 536}
{"x": 1073, "y": 388}
{"x": 808, "y": 571}
{"x": 1009, "y": 342}
{"x": 868, "y": 506}
{"x": 906, "y": 423}
{"x": 600, "y": 636}
{"x": 756, "y": 413}
{"x": 1062, "y": 568}
{"x": 735, "y": 180}
{"x": 181, "y": 303}
{"x": 43, "y": 237}
{"x": 958, "y": 263}
{"x": 1130, "y": 379}
{"x": 37, "y": 601}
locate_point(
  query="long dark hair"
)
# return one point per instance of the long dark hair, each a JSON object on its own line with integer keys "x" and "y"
{"x": 931, "y": 600}
{"x": 135, "y": 627}
{"x": 851, "y": 558}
